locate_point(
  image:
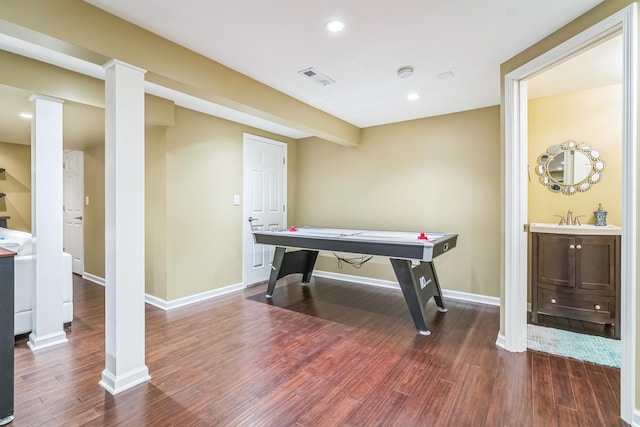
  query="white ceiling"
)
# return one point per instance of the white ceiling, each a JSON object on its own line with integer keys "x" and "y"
{"x": 272, "y": 42}
{"x": 599, "y": 65}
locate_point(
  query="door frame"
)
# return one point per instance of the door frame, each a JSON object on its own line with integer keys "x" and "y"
{"x": 246, "y": 227}
{"x": 515, "y": 213}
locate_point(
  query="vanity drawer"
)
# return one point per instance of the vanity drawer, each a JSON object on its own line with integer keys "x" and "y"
{"x": 581, "y": 306}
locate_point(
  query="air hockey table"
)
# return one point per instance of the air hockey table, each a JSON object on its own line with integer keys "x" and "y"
{"x": 411, "y": 255}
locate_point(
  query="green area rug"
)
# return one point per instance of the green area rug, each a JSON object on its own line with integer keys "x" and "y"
{"x": 588, "y": 348}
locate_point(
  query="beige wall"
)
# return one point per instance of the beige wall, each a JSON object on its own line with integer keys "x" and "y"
{"x": 434, "y": 174}
{"x": 94, "y": 212}
{"x": 193, "y": 231}
{"x": 590, "y": 116}
{"x": 156, "y": 211}
{"x": 16, "y": 183}
{"x": 194, "y": 169}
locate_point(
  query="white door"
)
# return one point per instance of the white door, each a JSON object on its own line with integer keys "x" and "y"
{"x": 264, "y": 201}
{"x": 73, "y": 239}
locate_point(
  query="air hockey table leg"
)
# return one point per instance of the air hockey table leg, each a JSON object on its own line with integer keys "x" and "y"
{"x": 418, "y": 284}
{"x": 437, "y": 298}
{"x": 278, "y": 257}
{"x": 285, "y": 263}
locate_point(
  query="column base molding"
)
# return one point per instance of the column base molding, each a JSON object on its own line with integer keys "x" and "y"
{"x": 116, "y": 384}
{"x": 36, "y": 343}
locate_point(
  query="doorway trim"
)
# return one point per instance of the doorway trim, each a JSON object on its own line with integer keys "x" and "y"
{"x": 515, "y": 255}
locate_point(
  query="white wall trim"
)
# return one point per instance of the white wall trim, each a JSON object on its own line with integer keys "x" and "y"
{"x": 500, "y": 342}
{"x": 456, "y": 295}
{"x": 356, "y": 279}
{"x": 93, "y": 278}
{"x": 180, "y": 302}
{"x": 515, "y": 243}
{"x": 628, "y": 297}
{"x": 191, "y": 299}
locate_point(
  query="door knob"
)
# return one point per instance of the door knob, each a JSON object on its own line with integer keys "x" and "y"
{"x": 251, "y": 219}
{"x": 572, "y": 246}
{"x": 78, "y": 217}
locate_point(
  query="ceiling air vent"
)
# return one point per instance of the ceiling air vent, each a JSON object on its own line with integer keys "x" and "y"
{"x": 316, "y": 76}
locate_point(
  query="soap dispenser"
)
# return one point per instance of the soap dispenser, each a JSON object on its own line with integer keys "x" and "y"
{"x": 601, "y": 216}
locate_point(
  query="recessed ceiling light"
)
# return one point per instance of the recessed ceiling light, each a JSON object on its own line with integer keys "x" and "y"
{"x": 413, "y": 97}
{"x": 25, "y": 115}
{"x": 334, "y": 25}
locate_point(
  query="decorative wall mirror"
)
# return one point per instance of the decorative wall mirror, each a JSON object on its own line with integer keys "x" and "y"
{"x": 569, "y": 167}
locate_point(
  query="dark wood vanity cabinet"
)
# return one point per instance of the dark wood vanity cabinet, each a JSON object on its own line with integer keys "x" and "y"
{"x": 576, "y": 277}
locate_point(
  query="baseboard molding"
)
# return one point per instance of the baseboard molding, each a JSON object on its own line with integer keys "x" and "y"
{"x": 116, "y": 384}
{"x": 38, "y": 342}
{"x": 477, "y": 298}
{"x": 191, "y": 299}
{"x": 636, "y": 418}
{"x": 180, "y": 302}
{"x": 456, "y": 295}
{"x": 500, "y": 342}
{"x": 92, "y": 278}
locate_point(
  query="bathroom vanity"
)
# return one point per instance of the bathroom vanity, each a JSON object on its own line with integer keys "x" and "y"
{"x": 575, "y": 272}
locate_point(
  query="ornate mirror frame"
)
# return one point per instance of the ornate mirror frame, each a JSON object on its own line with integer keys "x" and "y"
{"x": 583, "y": 184}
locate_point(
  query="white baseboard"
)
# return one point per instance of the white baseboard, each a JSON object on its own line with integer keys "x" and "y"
{"x": 477, "y": 298}
{"x": 635, "y": 422}
{"x": 500, "y": 342}
{"x": 191, "y": 299}
{"x": 116, "y": 384}
{"x": 169, "y": 305}
{"x": 457, "y": 295}
{"x": 92, "y": 278}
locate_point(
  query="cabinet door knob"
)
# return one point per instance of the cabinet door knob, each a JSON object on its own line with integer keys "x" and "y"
{"x": 553, "y": 300}
{"x": 597, "y": 306}
{"x": 579, "y": 247}
{"x": 572, "y": 246}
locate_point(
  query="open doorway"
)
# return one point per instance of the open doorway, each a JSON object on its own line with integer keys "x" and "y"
{"x": 516, "y": 209}
{"x": 576, "y": 103}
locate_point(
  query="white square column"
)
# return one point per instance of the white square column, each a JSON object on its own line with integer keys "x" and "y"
{"x": 46, "y": 222}
{"x": 124, "y": 225}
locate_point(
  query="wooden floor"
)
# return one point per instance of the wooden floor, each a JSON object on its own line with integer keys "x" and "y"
{"x": 332, "y": 354}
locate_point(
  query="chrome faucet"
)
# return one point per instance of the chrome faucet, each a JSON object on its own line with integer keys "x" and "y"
{"x": 570, "y": 219}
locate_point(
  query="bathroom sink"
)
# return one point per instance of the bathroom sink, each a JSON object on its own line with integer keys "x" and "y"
{"x": 575, "y": 229}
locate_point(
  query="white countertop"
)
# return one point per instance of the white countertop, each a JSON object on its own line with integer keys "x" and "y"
{"x": 575, "y": 229}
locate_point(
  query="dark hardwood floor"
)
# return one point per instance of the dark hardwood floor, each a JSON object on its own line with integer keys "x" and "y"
{"x": 332, "y": 354}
